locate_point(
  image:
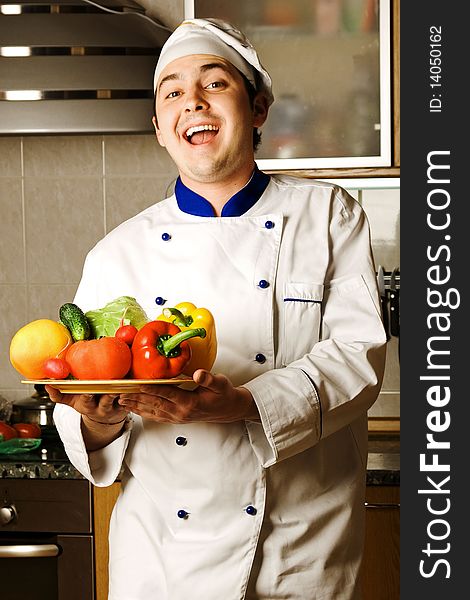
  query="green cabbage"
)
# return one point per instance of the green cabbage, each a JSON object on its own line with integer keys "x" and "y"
{"x": 107, "y": 320}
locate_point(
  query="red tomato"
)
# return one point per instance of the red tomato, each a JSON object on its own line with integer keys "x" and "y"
{"x": 28, "y": 430}
{"x": 104, "y": 358}
{"x": 56, "y": 368}
{"x": 7, "y": 431}
{"x": 126, "y": 333}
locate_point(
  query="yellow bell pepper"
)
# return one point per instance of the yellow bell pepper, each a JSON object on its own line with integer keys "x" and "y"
{"x": 203, "y": 350}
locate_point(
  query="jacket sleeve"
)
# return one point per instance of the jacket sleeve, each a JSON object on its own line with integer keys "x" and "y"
{"x": 340, "y": 378}
{"x": 101, "y": 467}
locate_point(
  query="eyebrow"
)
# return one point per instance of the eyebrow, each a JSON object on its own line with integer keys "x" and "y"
{"x": 202, "y": 68}
{"x": 209, "y": 66}
{"x": 171, "y": 77}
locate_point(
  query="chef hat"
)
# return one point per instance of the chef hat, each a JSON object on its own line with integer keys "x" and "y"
{"x": 216, "y": 37}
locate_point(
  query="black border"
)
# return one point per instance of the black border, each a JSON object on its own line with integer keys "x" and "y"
{"x": 422, "y": 132}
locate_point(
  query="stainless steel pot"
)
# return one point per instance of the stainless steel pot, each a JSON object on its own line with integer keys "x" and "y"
{"x": 36, "y": 409}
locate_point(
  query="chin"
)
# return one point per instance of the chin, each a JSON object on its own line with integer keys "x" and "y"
{"x": 207, "y": 172}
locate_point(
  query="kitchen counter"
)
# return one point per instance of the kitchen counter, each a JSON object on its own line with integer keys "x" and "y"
{"x": 40, "y": 464}
{"x": 383, "y": 463}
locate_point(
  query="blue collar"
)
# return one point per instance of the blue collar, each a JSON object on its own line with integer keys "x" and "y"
{"x": 237, "y": 205}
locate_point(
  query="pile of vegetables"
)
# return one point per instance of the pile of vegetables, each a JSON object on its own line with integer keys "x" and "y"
{"x": 115, "y": 342}
{"x": 19, "y": 437}
{"x": 19, "y": 430}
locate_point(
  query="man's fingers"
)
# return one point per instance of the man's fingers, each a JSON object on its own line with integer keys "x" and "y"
{"x": 107, "y": 400}
{"x": 70, "y": 399}
{"x": 168, "y": 392}
{"x": 101, "y": 407}
{"x": 147, "y": 405}
{"x": 214, "y": 383}
{"x": 86, "y": 401}
{"x": 54, "y": 394}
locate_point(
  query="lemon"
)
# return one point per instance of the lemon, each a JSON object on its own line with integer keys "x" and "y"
{"x": 36, "y": 342}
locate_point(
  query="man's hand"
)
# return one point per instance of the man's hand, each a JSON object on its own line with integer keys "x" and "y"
{"x": 102, "y": 409}
{"x": 215, "y": 400}
{"x": 102, "y": 417}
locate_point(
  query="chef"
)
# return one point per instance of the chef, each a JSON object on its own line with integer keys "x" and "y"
{"x": 251, "y": 485}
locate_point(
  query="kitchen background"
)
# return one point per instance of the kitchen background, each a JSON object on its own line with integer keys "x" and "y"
{"x": 60, "y": 194}
{"x": 79, "y": 157}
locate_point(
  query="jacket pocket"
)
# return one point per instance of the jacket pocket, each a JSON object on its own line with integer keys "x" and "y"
{"x": 302, "y": 312}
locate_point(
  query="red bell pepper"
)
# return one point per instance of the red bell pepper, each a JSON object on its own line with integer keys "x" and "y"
{"x": 160, "y": 350}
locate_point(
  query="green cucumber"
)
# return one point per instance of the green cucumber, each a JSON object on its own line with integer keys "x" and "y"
{"x": 73, "y": 317}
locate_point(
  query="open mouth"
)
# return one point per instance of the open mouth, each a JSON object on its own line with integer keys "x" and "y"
{"x": 201, "y": 134}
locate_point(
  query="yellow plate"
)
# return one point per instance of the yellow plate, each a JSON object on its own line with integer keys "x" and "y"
{"x": 104, "y": 386}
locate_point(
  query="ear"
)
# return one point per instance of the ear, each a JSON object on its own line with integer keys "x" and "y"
{"x": 158, "y": 132}
{"x": 260, "y": 110}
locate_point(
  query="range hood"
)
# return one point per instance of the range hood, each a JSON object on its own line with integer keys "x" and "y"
{"x": 75, "y": 66}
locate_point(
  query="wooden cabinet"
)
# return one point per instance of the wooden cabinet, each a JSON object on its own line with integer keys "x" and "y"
{"x": 380, "y": 573}
{"x": 381, "y": 564}
{"x": 103, "y": 502}
{"x": 340, "y": 117}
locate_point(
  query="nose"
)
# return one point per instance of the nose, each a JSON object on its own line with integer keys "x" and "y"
{"x": 195, "y": 101}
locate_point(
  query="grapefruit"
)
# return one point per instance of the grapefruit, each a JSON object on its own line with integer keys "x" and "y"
{"x": 35, "y": 343}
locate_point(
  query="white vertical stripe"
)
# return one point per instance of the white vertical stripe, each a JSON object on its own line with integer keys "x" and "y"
{"x": 23, "y": 216}
{"x": 189, "y": 10}
{"x": 103, "y": 180}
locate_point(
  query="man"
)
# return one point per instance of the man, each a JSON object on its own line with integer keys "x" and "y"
{"x": 251, "y": 485}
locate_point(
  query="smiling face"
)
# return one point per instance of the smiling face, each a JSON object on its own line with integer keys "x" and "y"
{"x": 206, "y": 120}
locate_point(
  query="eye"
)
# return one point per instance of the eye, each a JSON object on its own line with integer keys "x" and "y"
{"x": 215, "y": 84}
{"x": 174, "y": 94}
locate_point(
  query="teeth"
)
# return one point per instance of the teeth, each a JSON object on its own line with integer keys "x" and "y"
{"x": 192, "y": 130}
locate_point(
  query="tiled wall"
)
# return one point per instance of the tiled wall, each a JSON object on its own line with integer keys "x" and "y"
{"x": 60, "y": 195}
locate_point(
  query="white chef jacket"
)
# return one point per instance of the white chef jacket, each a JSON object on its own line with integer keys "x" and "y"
{"x": 272, "y": 509}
